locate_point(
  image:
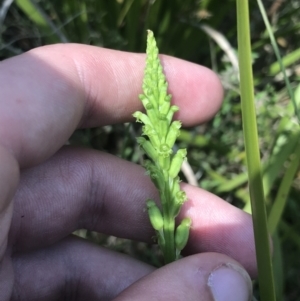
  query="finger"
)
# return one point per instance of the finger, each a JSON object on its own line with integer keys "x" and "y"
{"x": 81, "y": 188}
{"x": 208, "y": 276}
{"x": 58, "y": 88}
{"x": 74, "y": 269}
{"x": 221, "y": 222}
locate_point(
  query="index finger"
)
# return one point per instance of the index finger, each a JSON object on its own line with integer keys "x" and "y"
{"x": 50, "y": 91}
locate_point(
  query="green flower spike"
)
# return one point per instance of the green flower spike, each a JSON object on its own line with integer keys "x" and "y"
{"x": 164, "y": 165}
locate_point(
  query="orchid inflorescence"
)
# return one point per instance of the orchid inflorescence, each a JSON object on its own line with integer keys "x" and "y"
{"x": 163, "y": 165}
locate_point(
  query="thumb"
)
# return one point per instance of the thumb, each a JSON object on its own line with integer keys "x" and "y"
{"x": 207, "y": 276}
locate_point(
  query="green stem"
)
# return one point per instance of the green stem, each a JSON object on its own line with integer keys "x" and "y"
{"x": 169, "y": 248}
{"x": 169, "y": 223}
{"x": 263, "y": 254}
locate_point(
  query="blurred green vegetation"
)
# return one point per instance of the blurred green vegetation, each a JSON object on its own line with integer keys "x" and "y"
{"x": 203, "y": 32}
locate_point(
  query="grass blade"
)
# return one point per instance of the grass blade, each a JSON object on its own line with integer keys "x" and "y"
{"x": 35, "y": 13}
{"x": 263, "y": 255}
{"x": 284, "y": 188}
{"x": 288, "y": 60}
{"x": 278, "y": 56}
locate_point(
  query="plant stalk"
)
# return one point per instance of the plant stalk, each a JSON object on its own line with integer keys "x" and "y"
{"x": 263, "y": 254}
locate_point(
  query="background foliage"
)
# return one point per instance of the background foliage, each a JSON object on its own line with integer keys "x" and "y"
{"x": 203, "y": 32}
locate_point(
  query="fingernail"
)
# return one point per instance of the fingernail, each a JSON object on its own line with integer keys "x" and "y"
{"x": 230, "y": 282}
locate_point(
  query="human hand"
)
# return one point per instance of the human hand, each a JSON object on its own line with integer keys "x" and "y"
{"x": 45, "y": 95}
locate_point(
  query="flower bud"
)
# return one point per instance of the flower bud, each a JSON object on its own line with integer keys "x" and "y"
{"x": 175, "y": 187}
{"x": 182, "y": 233}
{"x": 141, "y": 117}
{"x": 149, "y": 91}
{"x": 145, "y": 101}
{"x": 152, "y": 114}
{"x": 152, "y": 134}
{"x": 171, "y": 112}
{"x": 162, "y": 81}
{"x": 148, "y": 106}
{"x": 168, "y": 98}
{"x": 155, "y": 175}
{"x": 164, "y": 160}
{"x": 162, "y": 95}
{"x": 180, "y": 197}
{"x": 155, "y": 215}
{"x": 165, "y": 105}
{"x": 142, "y": 97}
{"x": 177, "y": 162}
{"x": 163, "y": 125}
{"x": 173, "y": 133}
{"x": 152, "y": 100}
{"x": 165, "y": 151}
{"x": 175, "y": 210}
{"x": 148, "y": 148}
